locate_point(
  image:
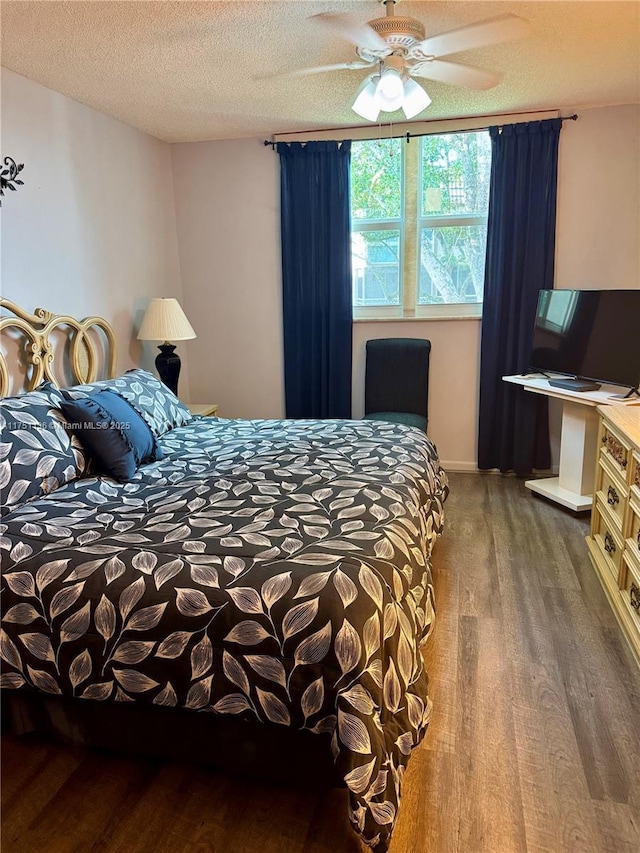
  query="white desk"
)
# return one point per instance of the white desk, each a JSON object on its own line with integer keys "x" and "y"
{"x": 573, "y": 487}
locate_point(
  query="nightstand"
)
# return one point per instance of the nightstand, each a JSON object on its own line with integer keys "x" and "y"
{"x": 209, "y": 410}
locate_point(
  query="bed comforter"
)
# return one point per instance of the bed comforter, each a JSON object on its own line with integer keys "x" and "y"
{"x": 276, "y": 569}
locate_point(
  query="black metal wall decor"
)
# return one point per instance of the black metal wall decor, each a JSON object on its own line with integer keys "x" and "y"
{"x": 9, "y": 175}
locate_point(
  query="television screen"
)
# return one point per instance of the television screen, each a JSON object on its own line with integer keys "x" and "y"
{"x": 591, "y": 334}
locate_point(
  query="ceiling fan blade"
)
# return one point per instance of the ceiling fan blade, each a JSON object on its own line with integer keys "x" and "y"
{"x": 317, "y": 69}
{"x": 352, "y": 30}
{"x": 482, "y": 34}
{"x": 455, "y": 74}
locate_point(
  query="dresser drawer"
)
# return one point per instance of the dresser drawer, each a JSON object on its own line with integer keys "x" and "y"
{"x": 633, "y": 537}
{"x": 635, "y": 476}
{"x": 611, "y": 493}
{"x": 608, "y": 539}
{"x": 630, "y": 591}
{"x": 614, "y": 541}
{"x": 615, "y": 451}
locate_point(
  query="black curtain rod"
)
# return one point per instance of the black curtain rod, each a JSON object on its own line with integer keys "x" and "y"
{"x": 409, "y": 136}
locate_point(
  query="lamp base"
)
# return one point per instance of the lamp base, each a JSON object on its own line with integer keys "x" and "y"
{"x": 168, "y": 366}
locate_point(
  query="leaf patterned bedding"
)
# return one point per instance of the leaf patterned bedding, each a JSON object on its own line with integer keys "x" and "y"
{"x": 274, "y": 569}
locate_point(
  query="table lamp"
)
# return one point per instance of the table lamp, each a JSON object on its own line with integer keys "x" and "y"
{"x": 164, "y": 320}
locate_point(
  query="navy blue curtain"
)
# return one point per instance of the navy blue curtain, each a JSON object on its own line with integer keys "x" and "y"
{"x": 316, "y": 278}
{"x": 513, "y": 429}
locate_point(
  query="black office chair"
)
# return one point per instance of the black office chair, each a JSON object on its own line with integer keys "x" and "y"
{"x": 396, "y": 385}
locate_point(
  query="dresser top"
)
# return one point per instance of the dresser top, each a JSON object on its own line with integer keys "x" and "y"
{"x": 626, "y": 419}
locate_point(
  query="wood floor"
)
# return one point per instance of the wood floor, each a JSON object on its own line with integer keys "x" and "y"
{"x": 534, "y": 744}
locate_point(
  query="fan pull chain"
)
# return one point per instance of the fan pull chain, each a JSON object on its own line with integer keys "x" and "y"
{"x": 389, "y": 138}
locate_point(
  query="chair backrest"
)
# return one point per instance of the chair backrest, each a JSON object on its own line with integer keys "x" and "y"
{"x": 397, "y": 376}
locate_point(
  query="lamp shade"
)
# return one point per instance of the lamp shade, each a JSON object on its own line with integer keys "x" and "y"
{"x": 164, "y": 320}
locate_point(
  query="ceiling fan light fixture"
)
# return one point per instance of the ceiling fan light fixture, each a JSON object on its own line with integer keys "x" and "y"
{"x": 415, "y": 99}
{"x": 390, "y": 90}
{"x": 366, "y": 104}
{"x": 398, "y": 46}
{"x": 390, "y": 84}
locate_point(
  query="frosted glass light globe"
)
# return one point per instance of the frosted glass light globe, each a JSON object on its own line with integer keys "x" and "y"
{"x": 365, "y": 104}
{"x": 415, "y": 99}
{"x": 390, "y": 90}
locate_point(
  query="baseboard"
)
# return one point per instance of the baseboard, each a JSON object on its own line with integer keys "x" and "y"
{"x": 472, "y": 468}
{"x": 463, "y": 467}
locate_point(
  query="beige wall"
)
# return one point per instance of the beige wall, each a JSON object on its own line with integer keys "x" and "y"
{"x": 92, "y": 231}
{"x": 228, "y": 223}
{"x": 598, "y": 234}
{"x": 453, "y": 381}
{"x": 227, "y": 209}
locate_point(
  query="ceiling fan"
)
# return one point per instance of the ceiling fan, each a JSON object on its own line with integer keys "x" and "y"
{"x": 399, "y": 49}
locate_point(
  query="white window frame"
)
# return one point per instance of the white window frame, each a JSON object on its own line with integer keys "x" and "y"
{"x": 410, "y": 225}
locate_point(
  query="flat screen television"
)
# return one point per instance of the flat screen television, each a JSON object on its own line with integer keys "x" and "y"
{"x": 588, "y": 334}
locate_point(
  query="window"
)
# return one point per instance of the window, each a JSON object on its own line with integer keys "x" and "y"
{"x": 419, "y": 225}
{"x": 377, "y": 222}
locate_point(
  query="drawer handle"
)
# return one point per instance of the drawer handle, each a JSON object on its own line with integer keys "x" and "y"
{"x": 638, "y": 538}
{"x": 609, "y": 544}
{"x": 634, "y": 597}
{"x": 612, "y": 496}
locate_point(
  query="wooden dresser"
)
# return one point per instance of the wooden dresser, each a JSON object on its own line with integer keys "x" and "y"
{"x": 614, "y": 541}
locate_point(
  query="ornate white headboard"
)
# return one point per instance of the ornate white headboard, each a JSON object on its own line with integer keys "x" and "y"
{"x": 89, "y": 345}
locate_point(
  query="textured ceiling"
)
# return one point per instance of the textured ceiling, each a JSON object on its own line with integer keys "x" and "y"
{"x": 184, "y": 71}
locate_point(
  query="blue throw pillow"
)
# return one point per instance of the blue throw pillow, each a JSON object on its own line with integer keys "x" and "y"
{"x": 116, "y": 437}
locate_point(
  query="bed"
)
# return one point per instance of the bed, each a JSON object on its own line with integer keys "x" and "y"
{"x": 270, "y": 574}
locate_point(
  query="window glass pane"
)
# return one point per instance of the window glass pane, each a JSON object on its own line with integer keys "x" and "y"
{"x": 376, "y": 180}
{"x": 451, "y": 264}
{"x": 455, "y": 171}
{"x": 375, "y": 258}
